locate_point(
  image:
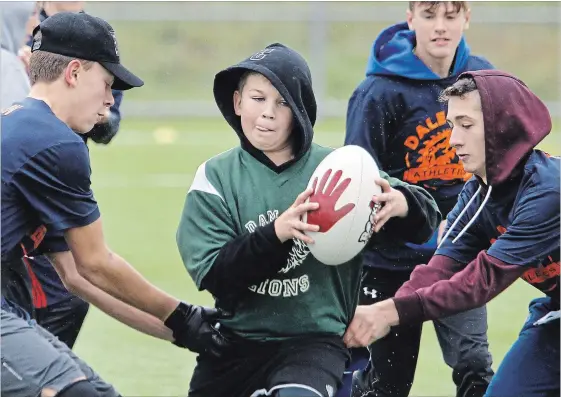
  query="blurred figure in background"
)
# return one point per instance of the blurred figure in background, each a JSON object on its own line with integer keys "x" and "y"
{"x": 14, "y": 87}
{"x": 15, "y": 16}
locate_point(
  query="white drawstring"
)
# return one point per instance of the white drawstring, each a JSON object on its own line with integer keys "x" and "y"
{"x": 475, "y": 215}
{"x": 462, "y": 214}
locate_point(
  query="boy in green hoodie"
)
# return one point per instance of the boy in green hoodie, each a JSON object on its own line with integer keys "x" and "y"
{"x": 242, "y": 239}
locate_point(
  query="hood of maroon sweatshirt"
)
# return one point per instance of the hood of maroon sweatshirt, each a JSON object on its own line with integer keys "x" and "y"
{"x": 516, "y": 120}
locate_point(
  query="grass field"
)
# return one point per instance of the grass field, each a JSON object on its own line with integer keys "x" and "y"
{"x": 184, "y": 56}
{"x": 140, "y": 181}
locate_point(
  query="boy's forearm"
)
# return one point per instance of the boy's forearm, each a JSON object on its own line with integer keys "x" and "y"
{"x": 119, "y": 279}
{"x": 65, "y": 266}
{"x": 121, "y": 311}
{"x": 476, "y": 284}
{"x": 112, "y": 274}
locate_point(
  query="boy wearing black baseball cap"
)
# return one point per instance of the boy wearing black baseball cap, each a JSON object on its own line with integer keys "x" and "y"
{"x": 46, "y": 194}
{"x": 82, "y": 36}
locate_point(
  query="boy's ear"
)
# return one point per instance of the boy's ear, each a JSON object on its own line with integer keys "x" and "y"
{"x": 409, "y": 19}
{"x": 72, "y": 71}
{"x": 468, "y": 17}
{"x": 237, "y": 103}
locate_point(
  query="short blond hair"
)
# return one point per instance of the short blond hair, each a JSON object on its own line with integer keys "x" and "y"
{"x": 46, "y": 67}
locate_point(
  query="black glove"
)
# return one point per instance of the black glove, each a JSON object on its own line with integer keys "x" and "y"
{"x": 193, "y": 328}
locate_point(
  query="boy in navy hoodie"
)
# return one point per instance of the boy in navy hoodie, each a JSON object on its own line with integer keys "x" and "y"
{"x": 395, "y": 115}
{"x": 505, "y": 226}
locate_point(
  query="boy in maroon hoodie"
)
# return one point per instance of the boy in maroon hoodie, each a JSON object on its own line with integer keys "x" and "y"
{"x": 505, "y": 226}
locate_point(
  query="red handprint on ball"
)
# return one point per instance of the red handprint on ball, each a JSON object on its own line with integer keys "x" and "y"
{"x": 326, "y": 216}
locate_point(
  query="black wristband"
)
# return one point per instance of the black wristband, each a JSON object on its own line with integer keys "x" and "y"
{"x": 176, "y": 319}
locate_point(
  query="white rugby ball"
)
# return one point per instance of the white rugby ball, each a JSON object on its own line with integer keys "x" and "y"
{"x": 344, "y": 184}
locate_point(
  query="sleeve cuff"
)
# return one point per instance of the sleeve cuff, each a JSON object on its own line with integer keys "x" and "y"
{"x": 409, "y": 309}
{"x": 407, "y": 229}
{"x": 58, "y": 245}
{"x": 76, "y": 222}
{"x": 270, "y": 235}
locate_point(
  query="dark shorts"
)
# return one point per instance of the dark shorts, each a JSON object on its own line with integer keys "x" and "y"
{"x": 33, "y": 359}
{"x": 315, "y": 364}
{"x": 34, "y": 285}
{"x": 64, "y": 319}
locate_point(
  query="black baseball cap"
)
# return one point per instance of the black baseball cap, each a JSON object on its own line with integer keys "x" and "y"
{"x": 84, "y": 36}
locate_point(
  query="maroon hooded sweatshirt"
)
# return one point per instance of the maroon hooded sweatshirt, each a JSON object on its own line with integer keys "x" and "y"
{"x": 501, "y": 231}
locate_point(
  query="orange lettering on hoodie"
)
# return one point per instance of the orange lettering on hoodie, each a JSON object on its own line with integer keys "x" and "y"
{"x": 432, "y": 157}
{"x": 536, "y": 275}
{"x": 542, "y": 273}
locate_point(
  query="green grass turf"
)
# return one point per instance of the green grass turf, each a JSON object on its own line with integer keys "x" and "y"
{"x": 141, "y": 185}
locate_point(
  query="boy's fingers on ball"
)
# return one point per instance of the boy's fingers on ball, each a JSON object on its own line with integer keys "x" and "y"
{"x": 385, "y": 185}
{"x": 302, "y": 197}
{"x": 380, "y": 215}
{"x": 380, "y": 224}
{"x": 308, "y": 227}
{"x": 303, "y": 237}
{"x": 305, "y": 194}
{"x": 381, "y": 198}
{"x": 305, "y": 207}
{"x": 299, "y": 199}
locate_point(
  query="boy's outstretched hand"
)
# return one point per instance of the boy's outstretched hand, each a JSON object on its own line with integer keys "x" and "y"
{"x": 371, "y": 323}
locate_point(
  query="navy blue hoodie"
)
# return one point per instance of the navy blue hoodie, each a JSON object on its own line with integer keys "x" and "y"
{"x": 395, "y": 115}
{"x": 499, "y": 231}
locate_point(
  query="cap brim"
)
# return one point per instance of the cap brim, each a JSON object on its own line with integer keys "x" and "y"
{"x": 124, "y": 79}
